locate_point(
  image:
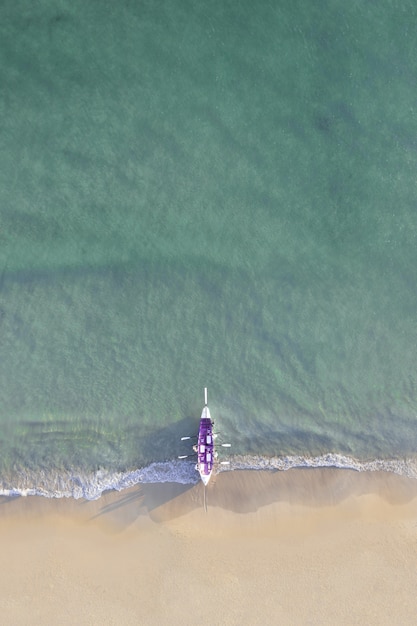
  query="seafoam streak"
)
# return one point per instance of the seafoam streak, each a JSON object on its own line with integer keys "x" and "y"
{"x": 91, "y": 485}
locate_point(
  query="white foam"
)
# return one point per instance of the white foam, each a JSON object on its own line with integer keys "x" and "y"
{"x": 403, "y": 467}
{"x": 91, "y": 485}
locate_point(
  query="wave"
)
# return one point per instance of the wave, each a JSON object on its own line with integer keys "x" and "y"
{"x": 91, "y": 485}
{"x": 403, "y": 467}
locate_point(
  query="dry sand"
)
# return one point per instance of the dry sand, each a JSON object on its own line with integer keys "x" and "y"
{"x": 297, "y": 547}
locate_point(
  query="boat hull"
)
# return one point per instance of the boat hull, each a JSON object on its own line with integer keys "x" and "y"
{"x": 205, "y": 446}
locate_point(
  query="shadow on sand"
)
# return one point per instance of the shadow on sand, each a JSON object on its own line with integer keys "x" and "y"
{"x": 248, "y": 491}
{"x": 239, "y": 491}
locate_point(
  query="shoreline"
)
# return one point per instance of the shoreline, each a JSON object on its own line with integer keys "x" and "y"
{"x": 307, "y": 545}
{"x": 90, "y": 485}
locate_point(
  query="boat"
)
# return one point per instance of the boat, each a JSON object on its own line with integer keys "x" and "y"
{"x": 205, "y": 444}
{"x": 204, "y": 449}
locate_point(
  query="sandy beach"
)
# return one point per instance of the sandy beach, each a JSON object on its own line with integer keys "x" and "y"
{"x": 297, "y": 547}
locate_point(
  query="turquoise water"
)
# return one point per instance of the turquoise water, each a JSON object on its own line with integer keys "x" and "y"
{"x": 194, "y": 195}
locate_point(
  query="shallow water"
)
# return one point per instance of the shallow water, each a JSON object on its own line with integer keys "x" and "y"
{"x": 196, "y": 195}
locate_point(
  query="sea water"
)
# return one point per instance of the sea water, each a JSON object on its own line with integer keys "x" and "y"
{"x": 199, "y": 194}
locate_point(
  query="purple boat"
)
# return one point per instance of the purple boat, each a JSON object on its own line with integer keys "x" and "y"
{"x": 204, "y": 449}
{"x": 205, "y": 444}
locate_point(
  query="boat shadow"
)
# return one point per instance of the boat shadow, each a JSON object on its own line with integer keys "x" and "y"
{"x": 238, "y": 491}
{"x": 157, "y": 501}
{"x": 247, "y": 491}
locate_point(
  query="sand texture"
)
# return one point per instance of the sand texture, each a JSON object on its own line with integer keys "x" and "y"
{"x": 296, "y": 547}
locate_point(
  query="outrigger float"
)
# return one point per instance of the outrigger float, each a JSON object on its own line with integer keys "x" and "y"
{"x": 205, "y": 448}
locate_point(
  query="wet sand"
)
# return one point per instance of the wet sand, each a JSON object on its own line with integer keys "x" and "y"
{"x": 297, "y": 547}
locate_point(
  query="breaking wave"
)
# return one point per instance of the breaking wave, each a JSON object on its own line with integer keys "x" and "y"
{"x": 91, "y": 485}
{"x": 403, "y": 467}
